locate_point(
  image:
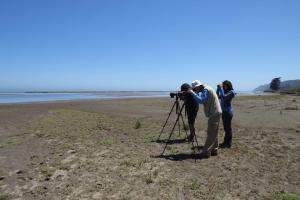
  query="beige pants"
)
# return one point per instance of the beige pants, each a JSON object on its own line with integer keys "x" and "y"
{"x": 211, "y": 142}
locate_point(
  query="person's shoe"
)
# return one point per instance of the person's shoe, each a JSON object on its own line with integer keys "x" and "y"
{"x": 214, "y": 152}
{"x": 204, "y": 155}
{"x": 224, "y": 145}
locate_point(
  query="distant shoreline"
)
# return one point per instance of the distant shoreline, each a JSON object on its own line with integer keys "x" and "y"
{"x": 16, "y": 98}
{"x": 79, "y": 101}
{"x": 32, "y": 98}
{"x": 91, "y": 91}
{"x": 59, "y": 96}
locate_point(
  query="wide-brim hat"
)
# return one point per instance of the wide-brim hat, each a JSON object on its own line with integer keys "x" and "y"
{"x": 196, "y": 83}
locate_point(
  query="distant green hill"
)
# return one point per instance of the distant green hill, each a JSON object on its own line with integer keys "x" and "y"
{"x": 284, "y": 86}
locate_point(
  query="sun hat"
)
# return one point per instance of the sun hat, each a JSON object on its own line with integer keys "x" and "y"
{"x": 196, "y": 83}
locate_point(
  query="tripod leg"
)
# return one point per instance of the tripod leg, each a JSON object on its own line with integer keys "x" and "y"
{"x": 196, "y": 140}
{"x": 179, "y": 127}
{"x": 177, "y": 120}
{"x": 163, "y": 128}
{"x": 192, "y": 130}
{"x": 190, "y": 127}
{"x": 178, "y": 112}
{"x": 186, "y": 132}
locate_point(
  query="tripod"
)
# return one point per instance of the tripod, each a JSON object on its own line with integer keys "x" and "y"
{"x": 178, "y": 110}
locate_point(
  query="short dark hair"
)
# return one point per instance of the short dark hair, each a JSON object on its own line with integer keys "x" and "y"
{"x": 185, "y": 87}
{"x": 229, "y": 84}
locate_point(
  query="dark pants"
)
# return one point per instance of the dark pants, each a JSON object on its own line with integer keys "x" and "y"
{"x": 227, "y": 117}
{"x": 192, "y": 114}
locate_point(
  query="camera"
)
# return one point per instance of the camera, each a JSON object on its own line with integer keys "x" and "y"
{"x": 178, "y": 95}
{"x": 181, "y": 94}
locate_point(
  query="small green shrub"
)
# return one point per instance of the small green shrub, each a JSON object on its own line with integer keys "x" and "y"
{"x": 127, "y": 163}
{"x": 137, "y": 124}
{"x": 172, "y": 149}
{"x": 4, "y": 196}
{"x": 195, "y": 185}
{"x": 287, "y": 197}
{"x": 107, "y": 142}
{"x": 149, "y": 179}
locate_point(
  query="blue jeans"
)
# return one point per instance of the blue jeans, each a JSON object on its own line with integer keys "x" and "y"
{"x": 227, "y": 118}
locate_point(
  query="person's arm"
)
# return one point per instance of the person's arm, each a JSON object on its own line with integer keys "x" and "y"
{"x": 201, "y": 98}
{"x": 227, "y": 96}
{"x": 218, "y": 92}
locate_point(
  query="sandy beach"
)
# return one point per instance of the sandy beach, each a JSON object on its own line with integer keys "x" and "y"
{"x": 106, "y": 149}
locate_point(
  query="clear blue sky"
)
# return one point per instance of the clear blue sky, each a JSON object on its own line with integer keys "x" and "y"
{"x": 146, "y": 44}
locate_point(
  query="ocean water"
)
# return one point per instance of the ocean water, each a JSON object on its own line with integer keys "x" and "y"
{"x": 7, "y": 98}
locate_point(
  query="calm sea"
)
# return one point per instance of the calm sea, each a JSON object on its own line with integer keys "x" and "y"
{"x": 6, "y": 98}
{"x": 42, "y": 97}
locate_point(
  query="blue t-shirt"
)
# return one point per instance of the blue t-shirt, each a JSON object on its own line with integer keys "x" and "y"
{"x": 226, "y": 99}
{"x": 202, "y": 98}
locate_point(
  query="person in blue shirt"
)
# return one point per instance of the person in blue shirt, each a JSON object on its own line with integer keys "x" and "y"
{"x": 226, "y": 93}
{"x": 204, "y": 94}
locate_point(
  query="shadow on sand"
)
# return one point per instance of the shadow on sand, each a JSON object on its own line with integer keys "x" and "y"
{"x": 175, "y": 141}
{"x": 180, "y": 157}
{"x": 183, "y": 156}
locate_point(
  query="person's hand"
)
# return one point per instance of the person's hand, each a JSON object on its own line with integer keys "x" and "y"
{"x": 220, "y": 86}
{"x": 189, "y": 91}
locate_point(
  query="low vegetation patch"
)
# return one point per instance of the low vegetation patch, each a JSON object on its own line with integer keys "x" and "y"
{"x": 107, "y": 142}
{"x": 4, "y": 196}
{"x": 172, "y": 149}
{"x": 134, "y": 163}
{"x": 149, "y": 179}
{"x": 287, "y": 197}
{"x": 137, "y": 124}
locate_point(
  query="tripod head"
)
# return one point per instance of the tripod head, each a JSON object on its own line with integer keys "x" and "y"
{"x": 178, "y": 95}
